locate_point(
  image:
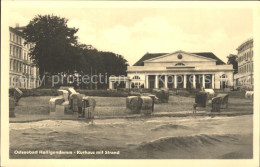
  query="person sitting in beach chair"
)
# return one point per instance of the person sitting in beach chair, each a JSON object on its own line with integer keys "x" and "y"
{"x": 194, "y": 108}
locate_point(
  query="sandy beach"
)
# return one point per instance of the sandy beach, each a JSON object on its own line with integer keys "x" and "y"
{"x": 151, "y": 138}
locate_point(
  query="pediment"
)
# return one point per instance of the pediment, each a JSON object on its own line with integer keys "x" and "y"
{"x": 180, "y": 56}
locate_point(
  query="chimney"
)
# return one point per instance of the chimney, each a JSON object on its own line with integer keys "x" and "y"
{"x": 16, "y": 25}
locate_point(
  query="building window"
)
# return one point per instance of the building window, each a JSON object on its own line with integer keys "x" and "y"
{"x": 179, "y": 64}
{"x": 136, "y": 77}
{"x": 18, "y": 66}
{"x": 21, "y": 67}
{"x": 14, "y": 51}
{"x": 223, "y": 76}
{"x": 135, "y": 85}
{"x": 14, "y": 63}
{"x": 179, "y": 56}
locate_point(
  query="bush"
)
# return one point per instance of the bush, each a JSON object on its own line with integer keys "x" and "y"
{"x": 39, "y": 92}
{"x": 187, "y": 92}
{"x": 162, "y": 95}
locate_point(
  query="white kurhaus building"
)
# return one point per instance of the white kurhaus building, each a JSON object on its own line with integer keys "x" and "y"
{"x": 179, "y": 69}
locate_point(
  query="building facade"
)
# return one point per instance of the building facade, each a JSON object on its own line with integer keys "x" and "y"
{"x": 23, "y": 73}
{"x": 180, "y": 69}
{"x": 245, "y": 76}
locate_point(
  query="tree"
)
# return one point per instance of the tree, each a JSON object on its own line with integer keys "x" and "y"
{"x": 54, "y": 46}
{"x": 106, "y": 63}
{"x": 232, "y": 59}
{"x": 56, "y": 50}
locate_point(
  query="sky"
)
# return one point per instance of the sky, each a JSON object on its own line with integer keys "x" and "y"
{"x": 132, "y": 32}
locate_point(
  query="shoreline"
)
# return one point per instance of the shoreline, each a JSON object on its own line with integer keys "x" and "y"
{"x": 25, "y": 119}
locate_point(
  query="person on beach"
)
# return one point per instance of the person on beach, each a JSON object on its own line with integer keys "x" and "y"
{"x": 194, "y": 108}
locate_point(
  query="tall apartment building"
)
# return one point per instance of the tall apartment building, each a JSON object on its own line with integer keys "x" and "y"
{"x": 245, "y": 76}
{"x": 23, "y": 73}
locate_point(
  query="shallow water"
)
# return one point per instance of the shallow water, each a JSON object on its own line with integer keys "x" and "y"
{"x": 164, "y": 137}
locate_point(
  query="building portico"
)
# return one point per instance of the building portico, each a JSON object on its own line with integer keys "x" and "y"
{"x": 175, "y": 80}
{"x": 181, "y": 70}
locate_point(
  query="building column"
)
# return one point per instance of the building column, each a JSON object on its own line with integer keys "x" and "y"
{"x": 203, "y": 80}
{"x": 110, "y": 85}
{"x": 156, "y": 82}
{"x": 194, "y": 81}
{"x": 146, "y": 81}
{"x": 175, "y": 81}
{"x": 217, "y": 81}
{"x": 184, "y": 80}
{"x": 165, "y": 81}
{"x": 127, "y": 84}
{"x": 213, "y": 81}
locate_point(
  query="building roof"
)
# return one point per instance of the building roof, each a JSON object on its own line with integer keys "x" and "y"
{"x": 148, "y": 56}
{"x": 251, "y": 40}
{"x": 17, "y": 31}
{"x": 211, "y": 56}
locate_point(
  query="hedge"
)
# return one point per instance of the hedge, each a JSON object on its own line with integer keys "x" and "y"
{"x": 39, "y": 92}
{"x": 103, "y": 93}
